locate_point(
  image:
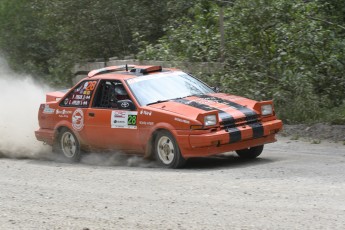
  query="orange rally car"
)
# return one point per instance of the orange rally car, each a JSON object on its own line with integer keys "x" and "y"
{"x": 164, "y": 113}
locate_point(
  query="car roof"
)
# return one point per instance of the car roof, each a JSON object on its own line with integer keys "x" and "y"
{"x": 126, "y": 72}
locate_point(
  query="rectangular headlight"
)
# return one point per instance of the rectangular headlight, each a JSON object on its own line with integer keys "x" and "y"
{"x": 210, "y": 120}
{"x": 266, "y": 110}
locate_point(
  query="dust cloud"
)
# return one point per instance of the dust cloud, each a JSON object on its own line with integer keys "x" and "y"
{"x": 20, "y": 98}
{"x": 117, "y": 158}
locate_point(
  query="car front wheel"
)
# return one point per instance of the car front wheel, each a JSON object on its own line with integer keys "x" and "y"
{"x": 250, "y": 153}
{"x": 69, "y": 145}
{"x": 167, "y": 151}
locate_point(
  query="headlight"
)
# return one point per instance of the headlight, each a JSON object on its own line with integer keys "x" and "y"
{"x": 266, "y": 110}
{"x": 210, "y": 120}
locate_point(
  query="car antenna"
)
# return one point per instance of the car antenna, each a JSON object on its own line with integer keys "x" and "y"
{"x": 126, "y": 67}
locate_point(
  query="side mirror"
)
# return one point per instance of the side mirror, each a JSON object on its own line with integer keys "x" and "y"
{"x": 216, "y": 89}
{"x": 125, "y": 104}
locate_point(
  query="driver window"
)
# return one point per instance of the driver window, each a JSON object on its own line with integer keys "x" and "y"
{"x": 108, "y": 93}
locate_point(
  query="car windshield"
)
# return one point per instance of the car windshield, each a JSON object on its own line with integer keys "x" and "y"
{"x": 166, "y": 86}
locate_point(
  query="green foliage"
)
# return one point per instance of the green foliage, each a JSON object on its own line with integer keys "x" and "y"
{"x": 194, "y": 37}
{"x": 21, "y": 41}
{"x": 291, "y": 51}
{"x": 277, "y": 50}
{"x": 47, "y": 37}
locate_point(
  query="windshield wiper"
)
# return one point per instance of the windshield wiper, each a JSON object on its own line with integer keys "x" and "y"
{"x": 157, "y": 102}
{"x": 160, "y": 101}
{"x": 183, "y": 97}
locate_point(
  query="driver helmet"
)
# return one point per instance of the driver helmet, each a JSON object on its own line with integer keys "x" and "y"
{"x": 120, "y": 92}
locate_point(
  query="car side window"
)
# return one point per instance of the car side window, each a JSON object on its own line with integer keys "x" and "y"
{"x": 108, "y": 93}
{"x": 80, "y": 96}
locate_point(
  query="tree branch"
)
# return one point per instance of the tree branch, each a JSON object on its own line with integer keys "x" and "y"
{"x": 328, "y": 22}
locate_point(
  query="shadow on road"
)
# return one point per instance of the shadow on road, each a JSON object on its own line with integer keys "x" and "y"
{"x": 224, "y": 161}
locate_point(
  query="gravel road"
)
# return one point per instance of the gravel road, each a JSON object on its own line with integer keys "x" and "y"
{"x": 293, "y": 185}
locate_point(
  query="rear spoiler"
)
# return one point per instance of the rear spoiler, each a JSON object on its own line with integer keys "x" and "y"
{"x": 56, "y": 96}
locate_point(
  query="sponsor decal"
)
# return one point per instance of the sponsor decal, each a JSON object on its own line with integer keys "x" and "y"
{"x": 48, "y": 110}
{"x": 81, "y": 96}
{"x": 146, "y": 113}
{"x": 78, "y": 120}
{"x": 124, "y": 119}
{"x": 78, "y": 97}
{"x": 182, "y": 120}
{"x": 63, "y": 112}
{"x": 146, "y": 123}
{"x": 119, "y": 114}
{"x": 76, "y": 102}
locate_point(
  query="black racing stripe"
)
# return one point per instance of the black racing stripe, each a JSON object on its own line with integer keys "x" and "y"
{"x": 235, "y": 135}
{"x": 227, "y": 119}
{"x": 258, "y": 130}
{"x": 251, "y": 115}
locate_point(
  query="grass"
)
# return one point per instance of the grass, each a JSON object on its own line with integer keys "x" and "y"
{"x": 316, "y": 141}
{"x": 295, "y": 137}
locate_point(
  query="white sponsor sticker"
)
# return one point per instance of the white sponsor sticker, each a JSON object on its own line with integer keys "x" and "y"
{"x": 146, "y": 123}
{"x": 124, "y": 119}
{"x": 63, "y": 112}
{"x": 48, "y": 110}
{"x": 182, "y": 120}
{"x": 78, "y": 120}
{"x": 146, "y": 113}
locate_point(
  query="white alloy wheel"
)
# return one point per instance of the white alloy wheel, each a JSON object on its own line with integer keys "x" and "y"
{"x": 165, "y": 150}
{"x": 69, "y": 144}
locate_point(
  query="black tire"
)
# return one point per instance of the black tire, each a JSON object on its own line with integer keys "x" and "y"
{"x": 250, "y": 153}
{"x": 167, "y": 152}
{"x": 68, "y": 145}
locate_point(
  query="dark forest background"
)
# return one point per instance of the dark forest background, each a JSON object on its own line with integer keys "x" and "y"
{"x": 291, "y": 51}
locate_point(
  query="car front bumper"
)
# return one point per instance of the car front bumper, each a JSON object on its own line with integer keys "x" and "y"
{"x": 221, "y": 141}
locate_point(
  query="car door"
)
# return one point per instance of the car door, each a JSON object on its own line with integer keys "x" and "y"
{"x": 109, "y": 127}
{"x": 74, "y": 105}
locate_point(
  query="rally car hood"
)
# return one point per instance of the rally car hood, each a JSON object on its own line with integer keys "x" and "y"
{"x": 230, "y": 108}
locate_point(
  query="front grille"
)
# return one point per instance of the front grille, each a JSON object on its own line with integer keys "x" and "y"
{"x": 228, "y": 124}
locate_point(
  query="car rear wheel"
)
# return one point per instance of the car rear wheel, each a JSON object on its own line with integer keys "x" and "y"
{"x": 250, "y": 153}
{"x": 69, "y": 145}
{"x": 167, "y": 151}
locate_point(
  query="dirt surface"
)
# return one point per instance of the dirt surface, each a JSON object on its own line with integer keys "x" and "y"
{"x": 293, "y": 185}
{"x": 315, "y": 132}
